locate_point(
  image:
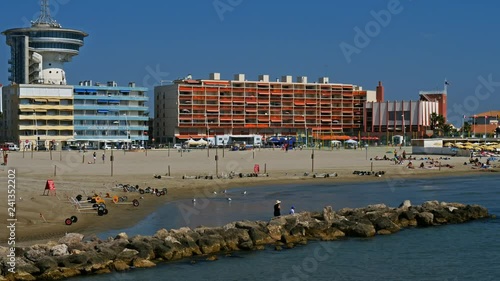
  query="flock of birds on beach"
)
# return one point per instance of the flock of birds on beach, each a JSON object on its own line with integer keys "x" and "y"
{"x": 224, "y": 192}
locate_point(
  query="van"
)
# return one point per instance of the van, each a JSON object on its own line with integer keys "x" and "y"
{"x": 9, "y": 147}
{"x": 13, "y": 147}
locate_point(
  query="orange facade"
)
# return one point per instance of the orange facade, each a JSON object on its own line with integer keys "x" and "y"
{"x": 249, "y": 107}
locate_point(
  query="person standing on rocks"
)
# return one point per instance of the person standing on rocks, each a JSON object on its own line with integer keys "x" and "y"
{"x": 292, "y": 210}
{"x": 277, "y": 208}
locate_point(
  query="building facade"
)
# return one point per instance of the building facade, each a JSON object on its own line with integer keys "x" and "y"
{"x": 110, "y": 114}
{"x": 197, "y": 108}
{"x": 409, "y": 118}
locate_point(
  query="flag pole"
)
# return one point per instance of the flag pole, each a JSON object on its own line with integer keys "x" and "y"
{"x": 485, "y": 125}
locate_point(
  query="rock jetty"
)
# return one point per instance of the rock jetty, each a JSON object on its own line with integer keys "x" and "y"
{"x": 72, "y": 255}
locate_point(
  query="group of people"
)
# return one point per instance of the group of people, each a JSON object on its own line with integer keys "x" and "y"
{"x": 277, "y": 209}
{"x": 103, "y": 157}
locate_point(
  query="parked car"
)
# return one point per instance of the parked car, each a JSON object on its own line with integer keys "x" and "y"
{"x": 178, "y": 146}
{"x": 9, "y": 147}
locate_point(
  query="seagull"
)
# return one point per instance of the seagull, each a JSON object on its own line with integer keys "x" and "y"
{"x": 194, "y": 200}
{"x": 244, "y": 192}
{"x": 215, "y": 192}
{"x": 229, "y": 199}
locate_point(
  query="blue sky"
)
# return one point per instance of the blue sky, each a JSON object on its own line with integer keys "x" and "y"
{"x": 421, "y": 44}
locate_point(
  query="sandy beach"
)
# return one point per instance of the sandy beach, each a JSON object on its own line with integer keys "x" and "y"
{"x": 76, "y": 174}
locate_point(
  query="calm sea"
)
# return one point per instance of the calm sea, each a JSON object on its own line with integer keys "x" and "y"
{"x": 468, "y": 251}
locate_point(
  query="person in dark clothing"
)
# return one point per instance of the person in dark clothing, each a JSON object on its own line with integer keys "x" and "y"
{"x": 277, "y": 208}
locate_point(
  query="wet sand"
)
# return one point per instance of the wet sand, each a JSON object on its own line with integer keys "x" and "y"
{"x": 75, "y": 175}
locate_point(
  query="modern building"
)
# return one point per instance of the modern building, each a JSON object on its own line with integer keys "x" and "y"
{"x": 110, "y": 114}
{"x": 200, "y": 108}
{"x": 40, "y": 109}
{"x": 407, "y": 118}
{"x": 484, "y": 124}
{"x": 38, "y": 52}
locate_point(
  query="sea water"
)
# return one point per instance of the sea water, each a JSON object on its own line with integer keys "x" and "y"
{"x": 469, "y": 251}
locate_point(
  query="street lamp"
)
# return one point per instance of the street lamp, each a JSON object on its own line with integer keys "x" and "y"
{"x": 305, "y": 128}
{"x": 404, "y": 130}
{"x": 36, "y": 130}
{"x": 366, "y": 148}
{"x": 127, "y": 130}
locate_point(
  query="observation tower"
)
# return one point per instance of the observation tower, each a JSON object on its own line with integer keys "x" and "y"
{"x": 38, "y": 53}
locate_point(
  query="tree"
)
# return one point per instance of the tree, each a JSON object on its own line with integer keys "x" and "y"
{"x": 446, "y": 129}
{"x": 466, "y": 129}
{"x": 438, "y": 122}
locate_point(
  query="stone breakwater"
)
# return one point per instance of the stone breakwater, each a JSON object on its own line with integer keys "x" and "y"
{"x": 72, "y": 255}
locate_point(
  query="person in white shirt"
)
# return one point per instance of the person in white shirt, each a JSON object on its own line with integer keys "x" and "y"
{"x": 292, "y": 211}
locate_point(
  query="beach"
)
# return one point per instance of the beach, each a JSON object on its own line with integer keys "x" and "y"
{"x": 41, "y": 217}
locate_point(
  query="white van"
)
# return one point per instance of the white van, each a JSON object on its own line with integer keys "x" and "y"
{"x": 13, "y": 147}
{"x": 10, "y": 147}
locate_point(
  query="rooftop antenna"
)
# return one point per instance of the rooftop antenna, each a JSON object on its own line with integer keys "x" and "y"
{"x": 45, "y": 18}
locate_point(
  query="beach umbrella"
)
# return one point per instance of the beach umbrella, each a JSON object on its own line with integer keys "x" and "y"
{"x": 448, "y": 144}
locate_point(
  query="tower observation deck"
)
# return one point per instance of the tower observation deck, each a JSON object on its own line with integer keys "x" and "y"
{"x": 38, "y": 53}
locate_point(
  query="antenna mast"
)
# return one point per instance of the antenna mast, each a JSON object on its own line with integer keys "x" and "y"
{"x": 45, "y": 18}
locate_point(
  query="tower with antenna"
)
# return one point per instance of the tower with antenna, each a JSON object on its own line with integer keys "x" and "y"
{"x": 38, "y": 52}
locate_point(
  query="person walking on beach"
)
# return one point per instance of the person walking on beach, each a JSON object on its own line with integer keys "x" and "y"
{"x": 103, "y": 157}
{"x": 95, "y": 156}
{"x": 277, "y": 208}
{"x": 292, "y": 210}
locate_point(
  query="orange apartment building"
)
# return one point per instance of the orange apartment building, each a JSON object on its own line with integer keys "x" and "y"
{"x": 198, "y": 108}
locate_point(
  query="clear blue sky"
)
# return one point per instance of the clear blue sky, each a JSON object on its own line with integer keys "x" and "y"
{"x": 423, "y": 43}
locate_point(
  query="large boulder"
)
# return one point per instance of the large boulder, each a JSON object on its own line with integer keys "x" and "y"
{"x": 328, "y": 214}
{"x": 425, "y": 219}
{"x": 143, "y": 263}
{"x": 405, "y": 205}
{"x": 260, "y": 237}
{"x": 384, "y": 223}
{"x": 71, "y": 238}
{"x": 143, "y": 246}
{"x": 59, "y": 250}
{"x": 127, "y": 255}
{"x": 46, "y": 263}
{"x": 355, "y": 229}
{"x": 211, "y": 244}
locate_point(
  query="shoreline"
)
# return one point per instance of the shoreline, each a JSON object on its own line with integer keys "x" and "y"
{"x": 31, "y": 228}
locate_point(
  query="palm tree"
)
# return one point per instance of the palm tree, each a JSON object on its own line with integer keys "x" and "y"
{"x": 466, "y": 129}
{"x": 437, "y": 122}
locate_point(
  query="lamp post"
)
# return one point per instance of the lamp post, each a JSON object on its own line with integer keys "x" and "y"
{"x": 485, "y": 125}
{"x": 36, "y": 129}
{"x": 366, "y": 153}
{"x": 36, "y": 133}
{"x": 127, "y": 130}
{"x": 216, "y": 158}
{"x": 404, "y": 129}
{"x": 305, "y": 129}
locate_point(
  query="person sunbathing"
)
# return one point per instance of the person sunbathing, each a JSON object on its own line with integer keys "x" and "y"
{"x": 410, "y": 165}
